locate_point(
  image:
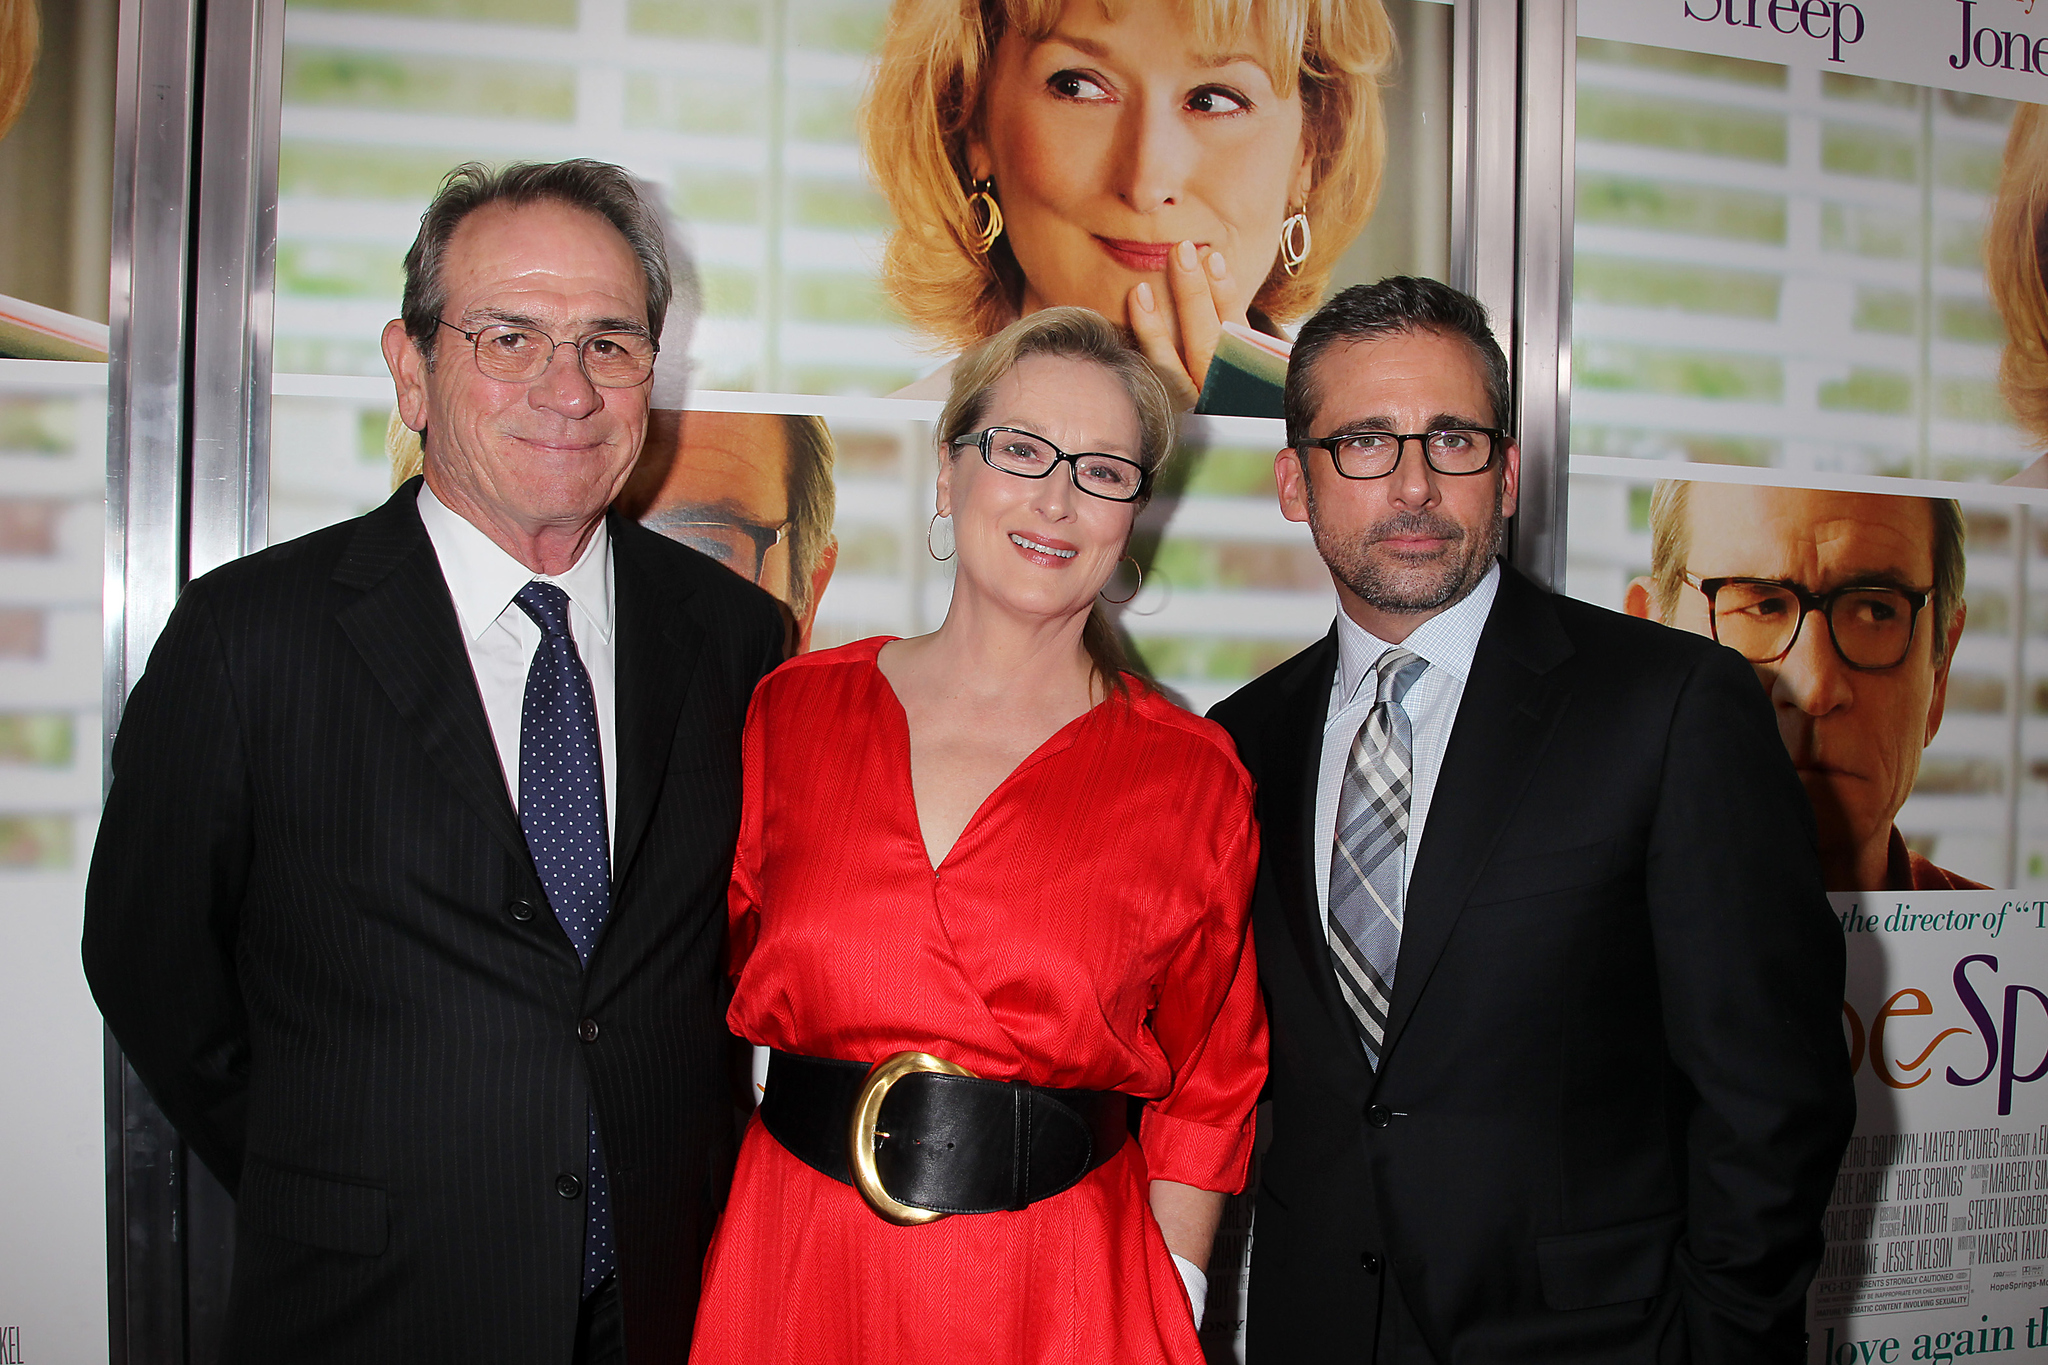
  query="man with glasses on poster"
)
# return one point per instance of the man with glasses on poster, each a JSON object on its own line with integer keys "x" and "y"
{"x": 1849, "y": 606}
{"x": 753, "y": 490}
{"x": 408, "y": 899}
{"x": 1555, "y": 1077}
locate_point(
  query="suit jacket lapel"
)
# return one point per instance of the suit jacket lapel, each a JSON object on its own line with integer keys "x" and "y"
{"x": 1288, "y": 817}
{"x": 1512, "y": 702}
{"x": 404, "y": 626}
{"x": 657, "y": 647}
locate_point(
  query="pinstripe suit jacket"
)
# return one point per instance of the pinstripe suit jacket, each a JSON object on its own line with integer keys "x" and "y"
{"x": 315, "y": 929}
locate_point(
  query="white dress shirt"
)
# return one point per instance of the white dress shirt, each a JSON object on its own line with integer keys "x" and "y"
{"x": 501, "y": 637}
{"x": 1446, "y": 642}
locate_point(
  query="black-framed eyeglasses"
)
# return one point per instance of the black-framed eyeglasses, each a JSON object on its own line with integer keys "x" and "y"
{"x": 1870, "y": 624}
{"x": 1030, "y": 456}
{"x": 1376, "y": 454}
{"x": 741, "y": 546}
{"x": 516, "y": 354}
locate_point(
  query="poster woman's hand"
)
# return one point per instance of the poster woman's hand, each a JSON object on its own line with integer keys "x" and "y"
{"x": 1181, "y": 341}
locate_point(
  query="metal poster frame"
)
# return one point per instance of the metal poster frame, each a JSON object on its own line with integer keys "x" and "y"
{"x": 1512, "y": 139}
{"x": 198, "y": 89}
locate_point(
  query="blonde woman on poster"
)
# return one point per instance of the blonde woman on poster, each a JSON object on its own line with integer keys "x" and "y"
{"x": 20, "y": 33}
{"x": 1011, "y": 879}
{"x": 2013, "y": 273}
{"x": 1191, "y": 169}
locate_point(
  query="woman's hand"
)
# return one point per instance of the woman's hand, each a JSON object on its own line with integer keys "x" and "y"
{"x": 1181, "y": 340}
{"x": 1187, "y": 1220}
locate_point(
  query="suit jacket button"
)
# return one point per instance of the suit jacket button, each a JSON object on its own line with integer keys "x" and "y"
{"x": 522, "y": 910}
{"x": 1378, "y": 1115}
{"x": 568, "y": 1186}
{"x": 587, "y": 1030}
{"x": 1369, "y": 1262}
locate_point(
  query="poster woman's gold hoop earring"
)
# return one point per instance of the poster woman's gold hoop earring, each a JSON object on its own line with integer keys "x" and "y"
{"x": 985, "y": 216}
{"x": 931, "y": 530}
{"x": 1138, "y": 569}
{"x": 1295, "y": 242}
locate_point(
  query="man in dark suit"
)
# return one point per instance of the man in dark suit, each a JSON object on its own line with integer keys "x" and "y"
{"x": 1557, "y": 1067}
{"x": 409, "y": 895}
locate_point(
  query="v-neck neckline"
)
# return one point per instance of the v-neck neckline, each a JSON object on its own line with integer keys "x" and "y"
{"x": 1051, "y": 744}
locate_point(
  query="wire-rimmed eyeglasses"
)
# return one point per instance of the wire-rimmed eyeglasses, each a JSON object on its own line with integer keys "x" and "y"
{"x": 1376, "y": 454}
{"x": 1030, "y": 456}
{"x": 1870, "y": 624}
{"x": 514, "y": 353}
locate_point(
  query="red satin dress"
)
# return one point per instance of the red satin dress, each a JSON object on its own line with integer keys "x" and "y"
{"x": 1087, "y": 930}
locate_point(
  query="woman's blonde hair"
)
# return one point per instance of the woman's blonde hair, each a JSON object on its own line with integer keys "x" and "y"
{"x": 20, "y": 35}
{"x": 2013, "y": 247}
{"x": 925, "y": 104}
{"x": 1077, "y": 334}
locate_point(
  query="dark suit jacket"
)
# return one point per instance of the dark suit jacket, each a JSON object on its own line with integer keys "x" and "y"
{"x": 315, "y": 929}
{"x": 1615, "y": 1088}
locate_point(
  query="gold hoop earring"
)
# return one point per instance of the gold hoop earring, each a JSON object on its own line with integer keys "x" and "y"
{"x": 1295, "y": 242}
{"x": 1136, "y": 567}
{"x": 984, "y": 216}
{"x": 933, "y": 550}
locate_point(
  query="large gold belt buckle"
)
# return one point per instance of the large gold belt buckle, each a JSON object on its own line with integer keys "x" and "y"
{"x": 861, "y": 1135}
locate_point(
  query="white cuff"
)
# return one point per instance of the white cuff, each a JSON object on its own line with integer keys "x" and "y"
{"x": 1195, "y": 1282}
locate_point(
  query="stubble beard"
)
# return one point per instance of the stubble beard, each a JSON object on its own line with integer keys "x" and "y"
{"x": 1408, "y": 589}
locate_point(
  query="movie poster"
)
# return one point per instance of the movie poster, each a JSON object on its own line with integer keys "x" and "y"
{"x": 1938, "y": 1226}
{"x": 1810, "y": 397}
{"x": 1012, "y": 175}
{"x": 1808, "y": 249}
{"x": 1892, "y": 626}
{"x": 830, "y": 295}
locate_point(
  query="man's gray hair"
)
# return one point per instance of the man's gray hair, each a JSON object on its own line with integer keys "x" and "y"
{"x": 595, "y": 186}
{"x": 1399, "y": 303}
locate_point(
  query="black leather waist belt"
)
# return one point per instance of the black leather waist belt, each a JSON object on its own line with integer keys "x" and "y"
{"x": 940, "y": 1141}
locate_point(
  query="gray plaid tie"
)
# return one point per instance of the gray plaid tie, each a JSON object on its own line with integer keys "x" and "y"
{"x": 1365, "y": 856}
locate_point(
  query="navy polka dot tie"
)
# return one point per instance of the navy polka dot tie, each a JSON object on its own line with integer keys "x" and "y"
{"x": 561, "y": 807}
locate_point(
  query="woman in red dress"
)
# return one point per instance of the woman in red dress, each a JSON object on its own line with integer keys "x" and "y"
{"x": 989, "y": 845}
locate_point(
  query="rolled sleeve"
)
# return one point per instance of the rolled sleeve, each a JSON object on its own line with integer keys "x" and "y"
{"x": 1211, "y": 1023}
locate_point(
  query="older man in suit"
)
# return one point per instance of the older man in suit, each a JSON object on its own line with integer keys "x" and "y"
{"x": 408, "y": 898}
{"x": 1557, "y": 1067}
